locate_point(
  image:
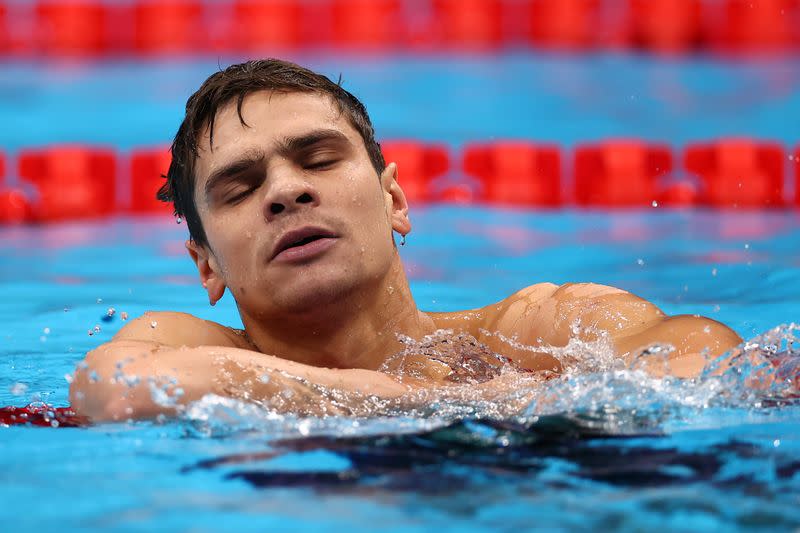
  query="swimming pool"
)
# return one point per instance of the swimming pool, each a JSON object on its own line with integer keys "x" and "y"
{"x": 608, "y": 451}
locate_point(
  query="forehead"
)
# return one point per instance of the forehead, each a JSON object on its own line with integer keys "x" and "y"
{"x": 270, "y": 118}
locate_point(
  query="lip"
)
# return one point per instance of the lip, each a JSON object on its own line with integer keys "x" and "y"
{"x": 283, "y": 250}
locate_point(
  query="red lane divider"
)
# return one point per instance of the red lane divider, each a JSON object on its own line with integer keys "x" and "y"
{"x": 763, "y": 25}
{"x": 797, "y": 175}
{"x": 169, "y": 27}
{"x": 148, "y": 166}
{"x": 738, "y": 172}
{"x": 620, "y": 173}
{"x": 418, "y": 165}
{"x": 5, "y": 39}
{"x": 61, "y": 183}
{"x": 371, "y": 24}
{"x": 259, "y": 26}
{"x": 665, "y": 26}
{"x": 71, "y": 182}
{"x": 516, "y": 172}
{"x": 681, "y": 194}
{"x": 468, "y": 24}
{"x": 41, "y": 415}
{"x": 152, "y": 27}
{"x": 71, "y": 27}
{"x": 571, "y": 24}
{"x": 14, "y": 205}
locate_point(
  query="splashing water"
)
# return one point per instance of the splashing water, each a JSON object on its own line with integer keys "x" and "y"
{"x": 596, "y": 390}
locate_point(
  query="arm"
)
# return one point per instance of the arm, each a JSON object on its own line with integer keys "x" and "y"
{"x": 550, "y": 316}
{"x": 143, "y": 372}
{"x": 633, "y": 324}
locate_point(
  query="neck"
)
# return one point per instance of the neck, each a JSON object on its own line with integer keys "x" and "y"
{"x": 357, "y": 331}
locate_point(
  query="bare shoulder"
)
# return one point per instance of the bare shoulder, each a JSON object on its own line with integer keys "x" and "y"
{"x": 550, "y": 312}
{"x": 180, "y": 329}
{"x": 602, "y": 307}
{"x": 573, "y": 297}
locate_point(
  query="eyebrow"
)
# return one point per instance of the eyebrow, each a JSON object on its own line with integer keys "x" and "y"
{"x": 287, "y": 146}
{"x": 233, "y": 168}
{"x": 302, "y": 142}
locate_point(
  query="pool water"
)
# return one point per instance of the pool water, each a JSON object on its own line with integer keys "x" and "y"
{"x": 608, "y": 450}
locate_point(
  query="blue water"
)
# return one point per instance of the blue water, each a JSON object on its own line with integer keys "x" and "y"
{"x": 451, "y": 99}
{"x": 604, "y": 452}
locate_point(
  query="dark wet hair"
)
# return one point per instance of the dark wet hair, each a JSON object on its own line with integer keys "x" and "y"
{"x": 235, "y": 83}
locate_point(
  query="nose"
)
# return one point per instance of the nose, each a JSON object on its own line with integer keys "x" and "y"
{"x": 288, "y": 194}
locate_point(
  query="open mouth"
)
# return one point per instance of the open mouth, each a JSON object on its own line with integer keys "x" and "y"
{"x": 303, "y": 243}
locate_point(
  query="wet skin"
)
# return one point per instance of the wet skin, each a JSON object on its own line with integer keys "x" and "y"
{"x": 300, "y": 231}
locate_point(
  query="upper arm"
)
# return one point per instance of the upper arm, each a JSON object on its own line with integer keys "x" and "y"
{"x": 542, "y": 316}
{"x": 633, "y": 324}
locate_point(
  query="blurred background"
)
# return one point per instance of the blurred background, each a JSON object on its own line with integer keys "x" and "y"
{"x": 607, "y": 103}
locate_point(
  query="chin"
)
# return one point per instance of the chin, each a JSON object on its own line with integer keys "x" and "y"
{"x": 308, "y": 296}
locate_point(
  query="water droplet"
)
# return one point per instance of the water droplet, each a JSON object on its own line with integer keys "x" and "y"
{"x": 18, "y": 389}
{"x": 123, "y": 315}
{"x": 54, "y": 423}
{"x": 178, "y": 220}
{"x": 66, "y": 309}
{"x": 713, "y": 271}
{"x": 99, "y": 300}
{"x": 776, "y": 442}
{"x": 153, "y": 324}
{"x": 640, "y": 262}
{"x": 46, "y": 331}
{"x": 746, "y": 246}
{"x": 94, "y": 377}
{"x": 264, "y": 378}
{"x": 655, "y": 203}
{"x": 90, "y": 333}
{"x": 68, "y": 378}
{"x": 716, "y": 308}
{"x": 96, "y": 328}
{"x": 707, "y": 329}
{"x": 110, "y": 311}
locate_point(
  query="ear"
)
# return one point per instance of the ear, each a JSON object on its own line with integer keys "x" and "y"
{"x": 396, "y": 203}
{"x": 210, "y": 273}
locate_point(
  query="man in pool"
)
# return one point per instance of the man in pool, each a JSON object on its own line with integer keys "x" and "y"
{"x": 291, "y": 207}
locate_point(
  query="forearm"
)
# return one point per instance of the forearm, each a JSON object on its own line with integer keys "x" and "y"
{"x": 129, "y": 379}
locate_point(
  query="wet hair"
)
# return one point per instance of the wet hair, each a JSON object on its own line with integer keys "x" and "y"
{"x": 235, "y": 83}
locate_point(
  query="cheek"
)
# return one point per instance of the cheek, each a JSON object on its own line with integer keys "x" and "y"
{"x": 232, "y": 242}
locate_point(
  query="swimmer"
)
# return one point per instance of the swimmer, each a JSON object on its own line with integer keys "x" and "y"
{"x": 291, "y": 207}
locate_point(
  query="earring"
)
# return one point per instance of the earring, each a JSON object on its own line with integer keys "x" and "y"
{"x": 403, "y": 240}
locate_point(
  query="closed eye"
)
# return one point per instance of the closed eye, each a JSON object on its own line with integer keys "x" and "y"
{"x": 237, "y": 197}
{"x": 321, "y": 165}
